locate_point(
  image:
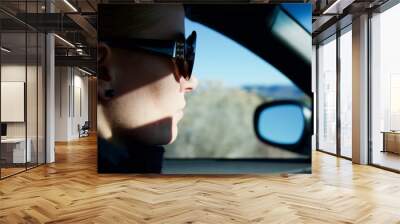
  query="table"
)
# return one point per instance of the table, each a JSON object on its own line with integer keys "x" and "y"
{"x": 391, "y": 141}
{"x": 13, "y": 150}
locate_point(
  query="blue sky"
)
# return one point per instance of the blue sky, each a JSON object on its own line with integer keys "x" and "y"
{"x": 220, "y": 58}
{"x": 301, "y": 12}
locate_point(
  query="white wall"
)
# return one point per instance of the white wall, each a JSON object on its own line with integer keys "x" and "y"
{"x": 12, "y": 101}
{"x": 80, "y": 105}
{"x": 15, "y": 72}
{"x": 71, "y": 94}
{"x": 61, "y": 103}
{"x": 33, "y": 126}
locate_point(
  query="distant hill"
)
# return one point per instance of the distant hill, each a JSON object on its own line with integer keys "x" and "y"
{"x": 275, "y": 91}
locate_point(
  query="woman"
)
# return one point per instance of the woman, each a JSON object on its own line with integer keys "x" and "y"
{"x": 144, "y": 66}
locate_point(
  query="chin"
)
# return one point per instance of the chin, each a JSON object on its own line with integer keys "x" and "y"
{"x": 174, "y": 134}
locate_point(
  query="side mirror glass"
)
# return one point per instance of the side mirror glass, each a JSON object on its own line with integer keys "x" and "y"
{"x": 280, "y": 123}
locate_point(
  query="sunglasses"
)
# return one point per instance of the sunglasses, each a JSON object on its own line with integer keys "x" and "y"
{"x": 181, "y": 51}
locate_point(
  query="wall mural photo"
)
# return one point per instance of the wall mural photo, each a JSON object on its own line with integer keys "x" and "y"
{"x": 204, "y": 89}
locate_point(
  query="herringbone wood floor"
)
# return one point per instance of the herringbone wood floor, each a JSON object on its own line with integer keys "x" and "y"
{"x": 71, "y": 191}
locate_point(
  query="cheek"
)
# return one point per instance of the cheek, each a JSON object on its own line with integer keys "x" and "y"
{"x": 167, "y": 95}
{"x": 126, "y": 111}
{"x": 138, "y": 71}
{"x": 148, "y": 104}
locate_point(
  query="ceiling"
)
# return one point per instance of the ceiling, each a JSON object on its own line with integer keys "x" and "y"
{"x": 75, "y": 22}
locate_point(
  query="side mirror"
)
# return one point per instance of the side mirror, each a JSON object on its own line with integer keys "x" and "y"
{"x": 284, "y": 124}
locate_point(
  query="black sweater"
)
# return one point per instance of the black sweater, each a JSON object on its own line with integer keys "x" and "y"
{"x": 137, "y": 159}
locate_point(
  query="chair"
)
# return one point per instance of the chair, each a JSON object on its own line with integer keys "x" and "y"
{"x": 84, "y": 130}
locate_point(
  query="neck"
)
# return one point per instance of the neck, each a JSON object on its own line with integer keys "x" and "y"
{"x": 103, "y": 126}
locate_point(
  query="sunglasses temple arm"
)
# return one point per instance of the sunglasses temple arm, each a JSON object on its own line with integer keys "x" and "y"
{"x": 164, "y": 48}
{"x": 169, "y": 52}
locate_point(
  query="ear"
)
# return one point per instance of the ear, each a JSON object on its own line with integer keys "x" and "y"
{"x": 103, "y": 61}
{"x": 104, "y": 85}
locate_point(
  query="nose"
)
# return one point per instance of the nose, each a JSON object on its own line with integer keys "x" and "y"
{"x": 188, "y": 86}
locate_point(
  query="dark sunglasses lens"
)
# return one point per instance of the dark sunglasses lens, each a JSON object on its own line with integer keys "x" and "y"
{"x": 190, "y": 54}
